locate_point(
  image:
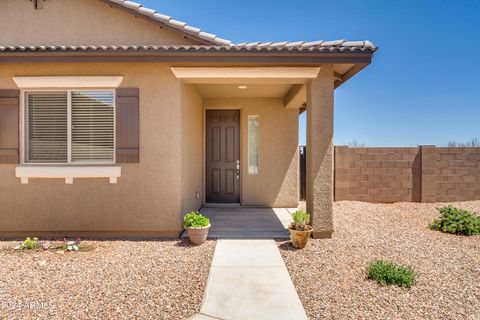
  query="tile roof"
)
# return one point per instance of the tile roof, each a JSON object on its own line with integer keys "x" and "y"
{"x": 223, "y": 44}
{"x": 213, "y": 43}
{"x": 170, "y": 22}
{"x": 317, "y": 46}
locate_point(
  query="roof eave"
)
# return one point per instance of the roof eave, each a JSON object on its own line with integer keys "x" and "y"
{"x": 304, "y": 58}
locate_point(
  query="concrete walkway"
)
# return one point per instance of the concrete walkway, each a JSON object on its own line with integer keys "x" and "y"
{"x": 249, "y": 280}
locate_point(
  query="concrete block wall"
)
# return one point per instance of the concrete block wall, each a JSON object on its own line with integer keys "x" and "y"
{"x": 377, "y": 174}
{"x": 450, "y": 174}
{"x": 416, "y": 174}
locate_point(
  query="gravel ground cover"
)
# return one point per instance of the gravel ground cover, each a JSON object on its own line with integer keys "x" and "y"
{"x": 109, "y": 280}
{"x": 330, "y": 274}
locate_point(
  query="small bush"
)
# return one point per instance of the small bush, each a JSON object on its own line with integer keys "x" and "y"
{"x": 71, "y": 245}
{"x": 29, "y": 244}
{"x": 195, "y": 220}
{"x": 456, "y": 221}
{"x": 300, "y": 220}
{"x": 385, "y": 272}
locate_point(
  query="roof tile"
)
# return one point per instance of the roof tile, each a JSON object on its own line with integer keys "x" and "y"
{"x": 132, "y": 5}
{"x": 182, "y": 26}
{"x": 161, "y": 17}
{"x": 252, "y": 47}
{"x": 146, "y": 11}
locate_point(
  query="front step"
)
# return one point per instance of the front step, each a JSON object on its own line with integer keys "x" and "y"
{"x": 245, "y": 235}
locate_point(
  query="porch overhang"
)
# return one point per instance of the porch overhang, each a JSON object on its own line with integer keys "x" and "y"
{"x": 228, "y": 75}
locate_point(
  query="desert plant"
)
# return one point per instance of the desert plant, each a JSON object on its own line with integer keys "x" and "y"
{"x": 300, "y": 219}
{"x": 385, "y": 272}
{"x": 195, "y": 220}
{"x": 29, "y": 244}
{"x": 456, "y": 221}
{"x": 71, "y": 245}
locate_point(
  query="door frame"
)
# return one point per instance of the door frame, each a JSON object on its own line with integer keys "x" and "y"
{"x": 204, "y": 152}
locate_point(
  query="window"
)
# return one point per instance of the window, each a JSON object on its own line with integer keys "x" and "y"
{"x": 70, "y": 127}
{"x": 253, "y": 142}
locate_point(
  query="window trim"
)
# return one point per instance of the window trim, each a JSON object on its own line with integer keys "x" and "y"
{"x": 69, "y": 163}
{"x": 253, "y": 116}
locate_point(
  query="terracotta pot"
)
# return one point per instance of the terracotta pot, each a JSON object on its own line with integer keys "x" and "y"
{"x": 300, "y": 238}
{"x": 198, "y": 235}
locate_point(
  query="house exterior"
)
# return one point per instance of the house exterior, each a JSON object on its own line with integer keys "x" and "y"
{"x": 116, "y": 119}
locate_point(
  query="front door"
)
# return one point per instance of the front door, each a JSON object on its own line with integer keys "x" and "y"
{"x": 223, "y": 156}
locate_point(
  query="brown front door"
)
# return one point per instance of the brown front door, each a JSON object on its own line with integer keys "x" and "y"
{"x": 223, "y": 156}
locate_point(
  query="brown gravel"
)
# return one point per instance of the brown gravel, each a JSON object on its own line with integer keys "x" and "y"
{"x": 330, "y": 274}
{"x": 116, "y": 280}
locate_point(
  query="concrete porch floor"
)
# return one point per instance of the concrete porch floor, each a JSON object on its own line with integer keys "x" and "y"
{"x": 247, "y": 222}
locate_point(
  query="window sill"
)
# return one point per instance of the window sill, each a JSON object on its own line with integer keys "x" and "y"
{"x": 68, "y": 173}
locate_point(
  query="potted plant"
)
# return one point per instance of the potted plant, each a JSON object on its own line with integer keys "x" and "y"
{"x": 299, "y": 229}
{"x": 197, "y": 226}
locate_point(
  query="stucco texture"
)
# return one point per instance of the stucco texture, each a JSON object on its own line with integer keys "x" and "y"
{"x": 192, "y": 149}
{"x": 276, "y": 184}
{"x": 320, "y": 101}
{"x": 94, "y": 23}
{"x": 147, "y": 198}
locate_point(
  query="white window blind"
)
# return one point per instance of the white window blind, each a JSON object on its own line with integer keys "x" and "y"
{"x": 47, "y": 132}
{"x": 92, "y": 126}
{"x": 253, "y": 144}
{"x": 70, "y": 127}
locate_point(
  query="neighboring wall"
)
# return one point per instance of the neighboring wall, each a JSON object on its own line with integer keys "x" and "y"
{"x": 276, "y": 185}
{"x": 147, "y": 199}
{"x": 423, "y": 174}
{"x": 450, "y": 174}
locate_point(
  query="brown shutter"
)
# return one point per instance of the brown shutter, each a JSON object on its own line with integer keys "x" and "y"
{"x": 9, "y": 132}
{"x": 127, "y": 125}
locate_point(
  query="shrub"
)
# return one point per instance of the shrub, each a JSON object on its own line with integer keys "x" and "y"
{"x": 385, "y": 272}
{"x": 456, "y": 221}
{"x": 71, "y": 245}
{"x": 195, "y": 220}
{"x": 29, "y": 244}
{"x": 300, "y": 219}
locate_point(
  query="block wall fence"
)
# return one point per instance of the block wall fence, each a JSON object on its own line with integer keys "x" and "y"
{"x": 417, "y": 174}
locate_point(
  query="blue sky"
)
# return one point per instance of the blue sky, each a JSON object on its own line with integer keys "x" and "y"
{"x": 422, "y": 87}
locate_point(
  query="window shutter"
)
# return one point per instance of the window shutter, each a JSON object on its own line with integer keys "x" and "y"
{"x": 127, "y": 125}
{"x": 9, "y": 115}
{"x": 47, "y": 130}
{"x": 92, "y": 126}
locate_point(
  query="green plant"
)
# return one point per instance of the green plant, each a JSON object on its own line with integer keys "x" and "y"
{"x": 29, "y": 244}
{"x": 456, "y": 221}
{"x": 385, "y": 272}
{"x": 195, "y": 220}
{"x": 300, "y": 219}
{"x": 71, "y": 245}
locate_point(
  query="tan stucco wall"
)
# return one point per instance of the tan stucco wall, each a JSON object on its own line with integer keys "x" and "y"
{"x": 78, "y": 22}
{"x": 192, "y": 149}
{"x": 276, "y": 185}
{"x": 320, "y": 100}
{"x": 147, "y": 198}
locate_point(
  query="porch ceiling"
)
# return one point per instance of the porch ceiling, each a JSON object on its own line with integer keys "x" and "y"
{"x": 288, "y": 83}
{"x": 251, "y": 90}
